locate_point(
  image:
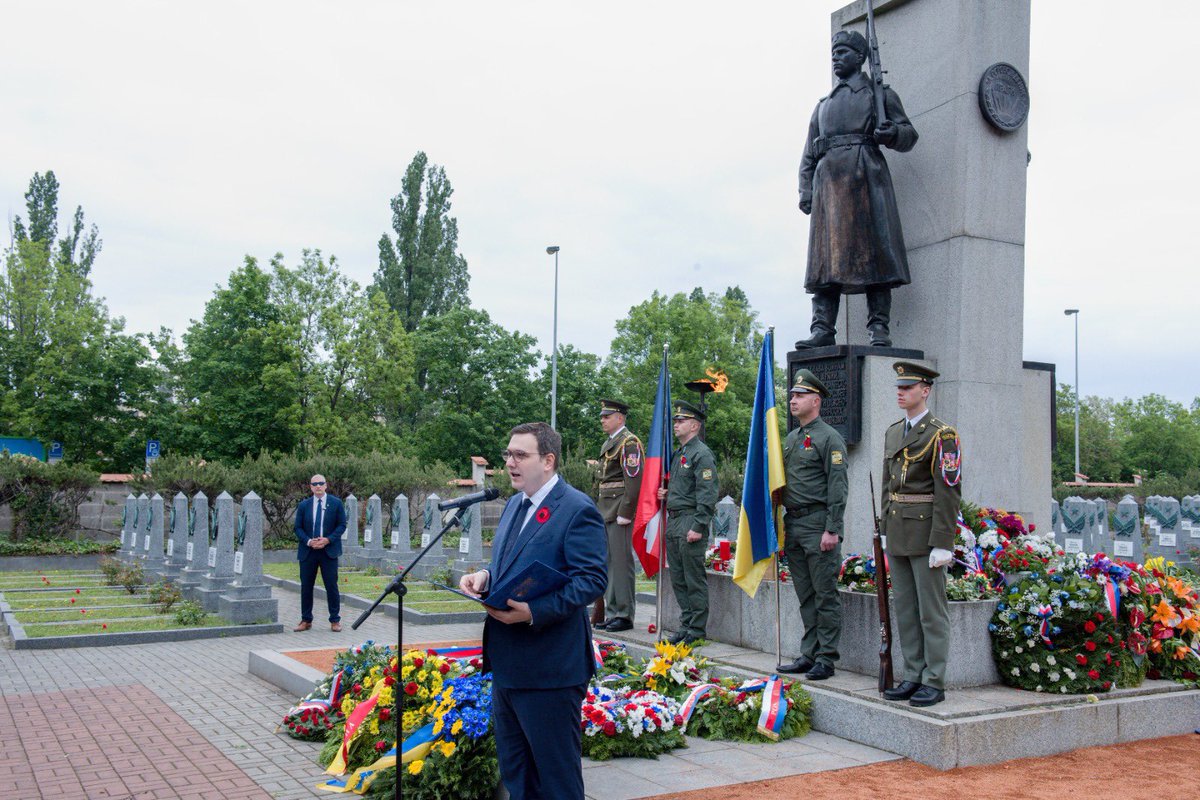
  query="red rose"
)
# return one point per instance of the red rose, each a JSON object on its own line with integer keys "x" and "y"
{"x": 1093, "y": 674}
{"x": 388, "y": 680}
{"x": 1108, "y": 658}
{"x": 1081, "y": 658}
{"x": 1110, "y": 639}
{"x": 610, "y": 729}
{"x": 1099, "y": 616}
{"x": 418, "y": 662}
{"x": 444, "y": 668}
{"x": 542, "y": 514}
{"x": 410, "y": 688}
{"x": 679, "y": 719}
{"x": 385, "y": 714}
{"x": 1032, "y": 527}
{"x": 356, "y": 688}
{"x": 380, "y": 747}
{"x": 1153, "y": 674}
{"x": 1106, "y": 685}
{"x": 1091, "y": 646}
{"x": 1089, "y": 626}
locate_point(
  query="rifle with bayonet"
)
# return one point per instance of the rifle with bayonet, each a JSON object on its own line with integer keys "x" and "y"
{"x": 876, "y": 66}
{"x": 881, "y": 594}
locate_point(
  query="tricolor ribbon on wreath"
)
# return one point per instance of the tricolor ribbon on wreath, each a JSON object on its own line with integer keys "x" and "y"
{"x": 458, "y": 653}
{"x": 693, "y": 699}
{"x": 353, "y": 722}
{"x": 774, "y": 709}
{"x": 1044, "y": 613}
{"x": 335, "y": 688}
{"x": 363, "y": 777}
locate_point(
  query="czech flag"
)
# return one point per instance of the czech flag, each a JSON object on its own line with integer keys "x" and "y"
{"x": 759, "y": 528}
{"x": 648, "y": 521}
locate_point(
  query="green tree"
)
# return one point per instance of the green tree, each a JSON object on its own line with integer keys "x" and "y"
{"x": 67, "y": 371}
{"x": 475, "y": 383}
{"x": 579, "y": 396}
{"x": 421, "y": 273}
{"x": 1157, "y": 437}
{"x": 1099, "y": 451}
{"x": 705, "y": 332}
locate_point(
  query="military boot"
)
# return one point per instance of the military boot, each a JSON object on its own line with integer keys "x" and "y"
{"x": 824, "y": 320}
{"x": 879, "y": 314}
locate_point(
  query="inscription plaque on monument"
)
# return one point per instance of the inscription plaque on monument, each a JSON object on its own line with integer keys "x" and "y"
{"x": 1003, "y": 97}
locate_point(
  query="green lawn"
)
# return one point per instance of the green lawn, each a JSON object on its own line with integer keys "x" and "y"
{"x": 155, "y": 623}
{"x": 85, "y": 599}
{"x": 421, "y": 595}
{"x": 34, "y": 580}
{"x": 88, "y": 612}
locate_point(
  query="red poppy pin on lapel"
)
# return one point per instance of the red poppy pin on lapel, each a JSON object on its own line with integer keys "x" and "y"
{"x": 542, "y": 515}
{"x": 807, "y": 442}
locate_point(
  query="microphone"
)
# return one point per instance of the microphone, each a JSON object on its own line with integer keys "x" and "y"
{"x": 469, "y": 499}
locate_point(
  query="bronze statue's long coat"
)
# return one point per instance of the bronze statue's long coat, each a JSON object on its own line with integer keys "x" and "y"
{"x": 855, "y": 241}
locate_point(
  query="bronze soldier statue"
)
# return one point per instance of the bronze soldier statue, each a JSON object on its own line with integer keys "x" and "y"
{"x": 855, "y": 244}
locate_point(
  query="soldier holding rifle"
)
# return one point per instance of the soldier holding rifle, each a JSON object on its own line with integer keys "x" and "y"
{"x": 922, "y": 471}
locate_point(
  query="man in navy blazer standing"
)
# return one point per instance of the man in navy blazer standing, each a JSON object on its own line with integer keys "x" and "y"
{"x": 320, "y": 523}
{"x": 540, "y": 652}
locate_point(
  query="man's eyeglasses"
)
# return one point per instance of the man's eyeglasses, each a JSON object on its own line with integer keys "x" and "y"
{"x": 317, "y": 483}
{"x": 516, "y": 455}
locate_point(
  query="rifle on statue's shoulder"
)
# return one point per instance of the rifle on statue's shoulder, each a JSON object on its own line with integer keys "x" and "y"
{"x": 876, "y": 66}
{"x": 881, "y": 594}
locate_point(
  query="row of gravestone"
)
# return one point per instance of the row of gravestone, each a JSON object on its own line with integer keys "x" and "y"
{"x": 387, "y": 543}
{"x": 1173, "y": 527}
{"x": 214, "y": 555}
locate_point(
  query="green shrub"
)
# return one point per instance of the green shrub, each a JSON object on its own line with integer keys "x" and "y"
{"x": 131, "y": 577}
{"x": 59, "y": 547}
{"x": 44, "y": 498}
{"x": 189, "y": 613}
{"x": 111, "y": 569}
{"x": 166, "y": 593}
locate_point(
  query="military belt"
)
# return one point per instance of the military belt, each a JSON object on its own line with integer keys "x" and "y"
{"x": 613, "y": 485}
{"x": 912, "y": 498}
{"x": 799, "y": 511}
{"x": 823, "y": 144}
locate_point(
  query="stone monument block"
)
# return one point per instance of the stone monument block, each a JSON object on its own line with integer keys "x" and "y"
{"x": 401, "y": 539}
{"x": 220, "y": 557}
{"x": 1103, "y": 535}
{"x": 1127, "y": 531}
{"x": 247, "y": 599}
{"x": 1076, "y": 537}
{"x": 141, "y": 527}
{"x": 1055, "y": 520}
{"x": 1165, "y": 538}
{"x": 371, "y": 554}
{"x": 350, "y": 543}
{"x": 129, "y": 527}
{"x": 196, "y": 552}
{"x": 470, "y": 543}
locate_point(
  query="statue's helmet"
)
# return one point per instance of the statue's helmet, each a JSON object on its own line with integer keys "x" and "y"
{"x": 852, "y": 39}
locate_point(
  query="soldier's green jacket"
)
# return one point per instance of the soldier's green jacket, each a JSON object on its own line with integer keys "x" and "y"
{"x": 620, "y": 477}
{"x": 926, "y": 462}
{"x": 816, "y": 471}
{"x": 693, "y": 486}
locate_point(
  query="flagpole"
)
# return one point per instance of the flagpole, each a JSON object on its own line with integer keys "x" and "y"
{"x": 774, "y": 523}
{"x": 662, "y": 526}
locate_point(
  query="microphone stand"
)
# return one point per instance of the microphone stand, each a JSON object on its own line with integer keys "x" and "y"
{"x": 398, "y": 588}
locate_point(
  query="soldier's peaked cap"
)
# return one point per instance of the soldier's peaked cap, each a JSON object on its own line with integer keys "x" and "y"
{"x": 613, "y": 407}
{"x": 908, "y": 373}
{"x": 685, "y": 410}
{"x": 852, "y": 39}
{"x": 807, "y": 383}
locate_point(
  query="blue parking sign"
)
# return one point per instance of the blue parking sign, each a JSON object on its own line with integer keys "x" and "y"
{"x": 152, "y": 448}
{"x": 56, "y": 452}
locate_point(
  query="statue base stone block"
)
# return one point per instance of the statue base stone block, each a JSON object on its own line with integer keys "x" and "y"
{"x": 208, "y": 593}
{"x": 245, "y": 605}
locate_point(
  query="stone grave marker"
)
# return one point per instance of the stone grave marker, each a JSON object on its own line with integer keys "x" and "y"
{"x": 1103, "y": 535}
{"x": 470, "y": 543}
{"x": 1075, "y": 513}
{"x": 1165, "y": 537}
{"x": 177, "y": 544}
{"x": 1055, "y": 520}
{"x": 350, "y": 545}
{"x": 196, "y": 553}
{"x": 129, "y": 526}
{"x": 1189, "y": 512}
{"x": 154, "y": 536}
{"x": 401, "y": 538}
{"x": 141, "y": 527}
{"x": 371, "y": 553}
{"x": 247, "y": 599}
{"x": 431, "y": 523}
{"x": 1127, "y": 531}
{"x": 220, "y": 557}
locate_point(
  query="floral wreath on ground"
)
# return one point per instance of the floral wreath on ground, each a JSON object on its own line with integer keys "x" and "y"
{"x": 673, "y": 669}
{"x": 626, "y": 721}
{"x": 320, "y": 710}
{"x": 734, "y": 711}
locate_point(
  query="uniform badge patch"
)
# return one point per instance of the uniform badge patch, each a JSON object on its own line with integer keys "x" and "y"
{"x": 836, "y": 457}
{"x": 949, "y": 457}
{"x": 633, "y": 464}
{"x": 706, "y": 474}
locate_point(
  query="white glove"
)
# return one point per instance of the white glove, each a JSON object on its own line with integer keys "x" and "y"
{"x": 623, "y": 520}
{"x": 939, "y": 558}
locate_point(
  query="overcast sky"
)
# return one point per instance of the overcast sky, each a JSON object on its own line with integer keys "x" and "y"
{"x": 656, "y": 142}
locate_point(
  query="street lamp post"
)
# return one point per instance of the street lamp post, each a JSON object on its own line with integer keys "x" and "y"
{"x": 1074, "y": 312}
{"x": 553, "y": 250}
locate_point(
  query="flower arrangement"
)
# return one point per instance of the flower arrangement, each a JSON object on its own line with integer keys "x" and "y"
{"x": 731, "y": 711}
{"x": 1164, "y": 612}
{"x": 461, "y": 761}
{"x": 616, "y": 660}
{"x": 719, "y": 556}
{"x": 857, "y": 574}
{"x": 320, "y": 710}
{"x": 672, "y": 668}
{"x": 626, "y": 721}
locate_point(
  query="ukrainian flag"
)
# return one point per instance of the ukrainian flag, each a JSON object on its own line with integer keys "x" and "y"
{"x": 760, "y": 530}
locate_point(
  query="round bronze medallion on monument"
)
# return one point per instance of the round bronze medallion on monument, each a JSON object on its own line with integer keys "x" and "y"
{"x": 1003, "y": 97}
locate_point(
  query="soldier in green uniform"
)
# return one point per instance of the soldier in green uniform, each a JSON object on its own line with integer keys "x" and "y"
{"x": 814, "y": 458}
{"x": 691, "y": 496}
{"x": 620, "y": 480}
{"x": 922, "y": 470}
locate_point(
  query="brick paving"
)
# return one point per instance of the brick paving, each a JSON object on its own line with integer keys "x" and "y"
{"x": 186, "y": 720}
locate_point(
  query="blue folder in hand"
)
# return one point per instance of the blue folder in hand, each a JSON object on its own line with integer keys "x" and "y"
{"x": 535, "y": 580}
{"x": 530, "y": 583}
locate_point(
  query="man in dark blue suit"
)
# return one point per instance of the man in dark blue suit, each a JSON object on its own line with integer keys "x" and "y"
{"x": 320, "y": 523}
{"x": 540, "y": 652}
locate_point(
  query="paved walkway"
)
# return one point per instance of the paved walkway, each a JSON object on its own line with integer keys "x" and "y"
{"x": 186, "y": 720}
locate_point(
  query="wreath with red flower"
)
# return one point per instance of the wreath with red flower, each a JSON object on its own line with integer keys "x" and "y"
{"x": 542, "y": 515}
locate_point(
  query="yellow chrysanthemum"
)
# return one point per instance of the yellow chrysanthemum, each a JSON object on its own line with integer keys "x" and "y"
{"x": 414, "y": 767}
{"x": 374, "y": 726}
{"x": 447, "y": 748}
{"x": 457, "y": 727}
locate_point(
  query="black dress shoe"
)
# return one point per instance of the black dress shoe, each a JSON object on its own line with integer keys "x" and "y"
{"x": 927, "y": 696}
{"x": 602, "y": 626}
{"x": 619, "y": 624}
{"x": 677, "y": 638}
{"x": 819, "y": 672}
{"x": 800, "y": 666}
{"x": 902, "y": 692}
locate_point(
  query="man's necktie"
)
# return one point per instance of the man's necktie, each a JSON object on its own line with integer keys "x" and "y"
{"x": 907, "y": 427}
{"x": 320, "y": 528}
{"x": 514, "y": 529}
